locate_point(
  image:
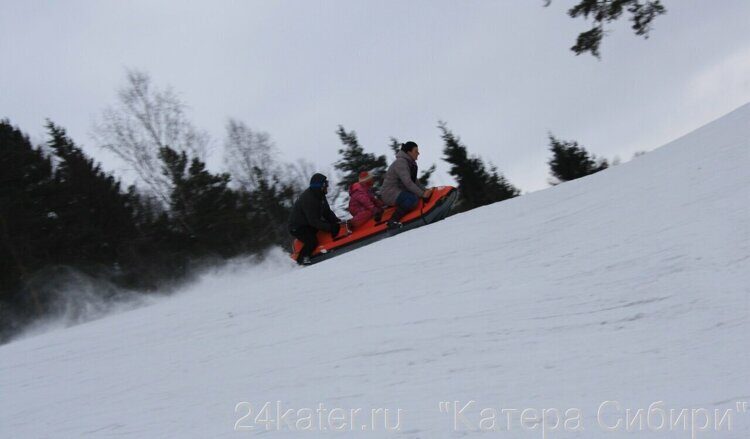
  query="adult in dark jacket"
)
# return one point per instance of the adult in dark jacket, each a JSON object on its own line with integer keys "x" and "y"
{"x": 400, "y": 186}
{"x": 311, "y": 213}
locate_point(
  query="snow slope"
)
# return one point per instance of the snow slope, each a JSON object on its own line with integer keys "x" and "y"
{"x": 630, "y": 286}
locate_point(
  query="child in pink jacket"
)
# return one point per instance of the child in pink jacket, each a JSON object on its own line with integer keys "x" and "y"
{"x": 363, "y": 204}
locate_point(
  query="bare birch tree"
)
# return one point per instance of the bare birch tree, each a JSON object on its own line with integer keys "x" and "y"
{"x": 250, "y": 156}
{"x": 144, "y": 120}
{"x": 298, "y": 174}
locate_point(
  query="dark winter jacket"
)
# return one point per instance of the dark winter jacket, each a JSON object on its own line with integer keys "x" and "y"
{"x": 401, "y": 176}
{"x": 312, "y": 209}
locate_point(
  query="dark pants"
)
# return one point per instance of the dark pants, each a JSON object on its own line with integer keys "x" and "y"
{"x": 307, "y": 235}
{"x": 405, "y": 202}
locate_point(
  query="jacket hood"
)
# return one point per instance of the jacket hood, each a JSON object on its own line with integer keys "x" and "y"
{"x": 317, "y": 181}
{"x": 402, "y": 154}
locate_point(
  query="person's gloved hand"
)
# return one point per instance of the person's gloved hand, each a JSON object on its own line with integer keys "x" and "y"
{"x": 335, "y": 229}
{"x": 378, "y": 215}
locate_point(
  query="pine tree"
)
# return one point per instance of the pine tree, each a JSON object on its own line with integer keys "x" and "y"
{"x": 72, "y": 215}
{"x": 93, "y": 217}
{"x": 26, "y": 188}
{"x": 424, "y": 179}
{"x": 205, "y": 209}
{"x": 75, "y": 215}
{"x": 499, "y": 188}
{"x": 270, "y": 205}
{"x": 477, "y": 185}
{"x": 394, "y": 145}
{"x": 570, "y": 161}
{"x": 642, "y": 13}
{"x": 354, "y": 159}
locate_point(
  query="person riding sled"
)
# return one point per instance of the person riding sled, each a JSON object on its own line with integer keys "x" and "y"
{"x": 311, "y": 213}
{"x": 363, "y": 203}
{"x": 401, "y": 187}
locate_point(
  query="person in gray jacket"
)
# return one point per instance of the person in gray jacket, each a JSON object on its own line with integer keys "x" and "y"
{"x": 400, "y": 186}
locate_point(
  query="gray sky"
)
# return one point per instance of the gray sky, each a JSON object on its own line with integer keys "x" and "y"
{"x": 499, "y": 72}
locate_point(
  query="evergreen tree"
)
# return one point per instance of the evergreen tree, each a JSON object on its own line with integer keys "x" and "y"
{"x": 71, "y": 215}
{"x": 424, "y": 179}
{"x": 75, "y": 216}
{"x": 354, "y": 159}
{"x": 394, "y": 145}
{"x": 93, "y": 217}
{"x": 202, "y": 207}
{"x": 570, "y": 161}
{"x": 271, "y": 203}
{"x": 26, "y": 188}
{"x": 499, "y": 188}
{"x": 642, "y": 13}
{"x": 477, "y": 185}
{"x": 217, "y": 219}
{"x": 157, "y": 252}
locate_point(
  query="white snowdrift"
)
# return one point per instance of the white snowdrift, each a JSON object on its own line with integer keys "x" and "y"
{"x": 631, "y": 285}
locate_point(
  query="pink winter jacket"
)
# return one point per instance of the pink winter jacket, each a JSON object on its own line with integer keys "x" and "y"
{"x": 363, "y": 204}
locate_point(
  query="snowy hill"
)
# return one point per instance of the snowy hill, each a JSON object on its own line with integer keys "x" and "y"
{"x": 602, "y": 295}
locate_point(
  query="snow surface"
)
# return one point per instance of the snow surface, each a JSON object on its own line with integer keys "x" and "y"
{"x": 631, "y": 285}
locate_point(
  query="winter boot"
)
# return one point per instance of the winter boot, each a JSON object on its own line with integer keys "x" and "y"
{"x": 393, "y": 225}
{"x": 395, "y": 222}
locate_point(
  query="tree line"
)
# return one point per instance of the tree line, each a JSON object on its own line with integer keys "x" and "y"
{"x": 59, "y": 208}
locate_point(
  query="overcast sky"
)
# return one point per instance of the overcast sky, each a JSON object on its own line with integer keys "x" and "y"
{"x": 499, "y": 72}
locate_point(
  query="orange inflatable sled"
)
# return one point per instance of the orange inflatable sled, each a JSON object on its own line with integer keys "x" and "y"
{"x": 428, "y": 211}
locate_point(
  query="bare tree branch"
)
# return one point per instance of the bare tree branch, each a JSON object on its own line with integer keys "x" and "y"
{"x": 642, "y": 14}
{"x": 144, "y": 120}
{"x": 249, "y": 155}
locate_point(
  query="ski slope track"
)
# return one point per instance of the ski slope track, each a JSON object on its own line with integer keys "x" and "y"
{"x": 631, "y": 285}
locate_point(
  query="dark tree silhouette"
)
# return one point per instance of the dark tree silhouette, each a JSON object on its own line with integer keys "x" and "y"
{"x": 642, "y": 14}
{"x": 477, "y": 185}
{"x": 570, "y": 161}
